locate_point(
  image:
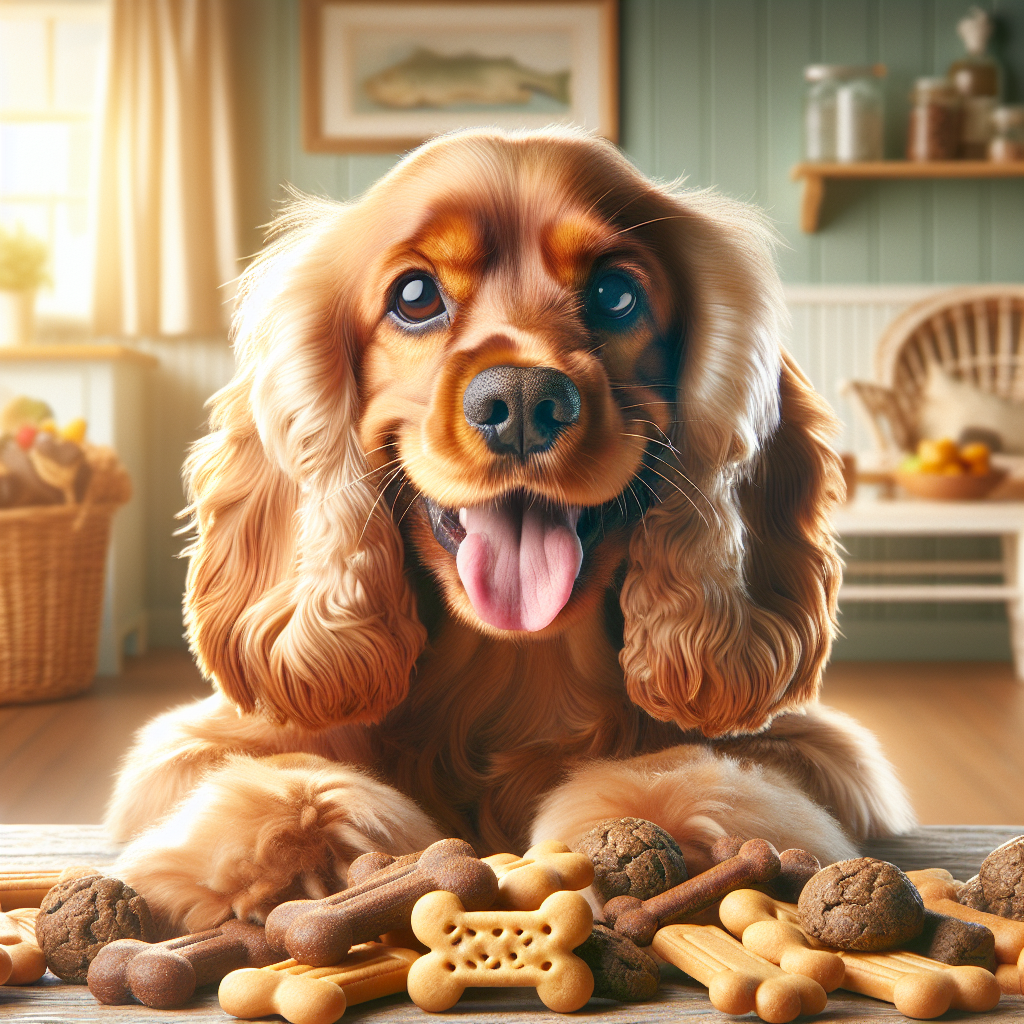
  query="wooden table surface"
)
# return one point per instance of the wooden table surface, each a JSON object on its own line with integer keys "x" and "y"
{"x": 960, "y": 849}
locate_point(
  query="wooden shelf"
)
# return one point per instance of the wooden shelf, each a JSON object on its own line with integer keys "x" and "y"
{"x": 814, "y": 176}
{"x": 75, "y": 353}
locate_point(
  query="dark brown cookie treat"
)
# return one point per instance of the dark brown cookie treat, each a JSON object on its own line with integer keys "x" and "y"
{"x": 862, "y": 904}
{"x": 955, "y": 942}
{"x": 998, "y": 888}
{"x": 632, "y": 857}
{"x": 79, "y": 916}
{"x": 621, "y": 969}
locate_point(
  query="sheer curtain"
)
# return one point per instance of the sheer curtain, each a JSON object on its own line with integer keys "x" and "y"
{"x": 167, "y": 229}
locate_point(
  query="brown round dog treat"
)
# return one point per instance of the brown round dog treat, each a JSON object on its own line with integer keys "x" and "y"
{"x": 957, "y": 943}
{"x": 79, "y": 916}
{"x": 621, "y": 969}
{"x": 998, "y": 887}
{"x": 632, "y": 857}
{"x": 862, "y": 904}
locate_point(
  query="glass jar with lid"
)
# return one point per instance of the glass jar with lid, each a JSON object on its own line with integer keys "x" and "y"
{"x": 933, "y": 132}
{"x": 1007, "y": 144}
{"x": 843, "y": 113}
{"x": 976, "y": 78}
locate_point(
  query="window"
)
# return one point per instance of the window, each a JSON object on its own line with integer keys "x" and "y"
{"x": 51, "y": 60}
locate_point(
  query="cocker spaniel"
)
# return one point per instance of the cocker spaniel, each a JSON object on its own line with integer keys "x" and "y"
{"x": 514, "y": 517}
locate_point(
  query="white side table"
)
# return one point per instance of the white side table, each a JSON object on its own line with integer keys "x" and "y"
{"x": 897, "y": 517}
{"x": 104, "y": 384}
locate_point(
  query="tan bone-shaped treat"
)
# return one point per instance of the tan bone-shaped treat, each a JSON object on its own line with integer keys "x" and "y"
{"x": 1011, "y": 978}
{"x": 737, "y": 980}
{"x": 771, "y": 929}
{"x": 938, "y": 889}
{"x": 316, "y": 995}
{"x": 18, "y": 944}
{"x": 19, "y": 889}
{"x": 27, "y": 888}
{"x": 517, "y": 948}
{"x": 524, "y": 883}
{"x": 919, "y": 987}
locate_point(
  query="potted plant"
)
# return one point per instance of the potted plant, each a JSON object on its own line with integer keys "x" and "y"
{"x": 23, "y": 269}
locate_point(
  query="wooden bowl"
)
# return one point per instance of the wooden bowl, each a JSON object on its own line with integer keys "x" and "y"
{"x": 939, "y": 486}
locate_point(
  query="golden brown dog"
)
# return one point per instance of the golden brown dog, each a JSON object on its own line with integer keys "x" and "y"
{"x": 514, "y": 517}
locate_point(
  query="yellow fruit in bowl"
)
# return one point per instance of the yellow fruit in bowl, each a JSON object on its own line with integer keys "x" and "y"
{"x": 936, "y": 455}
{"x": 74, "y": 431}
{"x": 977, "y": 458}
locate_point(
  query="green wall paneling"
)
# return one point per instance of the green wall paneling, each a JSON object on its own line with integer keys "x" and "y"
{"x": 712, "y": 91}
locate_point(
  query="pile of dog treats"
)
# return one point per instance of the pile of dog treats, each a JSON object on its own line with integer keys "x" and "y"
{"x": 765, "y": 932}
{"x": 40, "y": 463}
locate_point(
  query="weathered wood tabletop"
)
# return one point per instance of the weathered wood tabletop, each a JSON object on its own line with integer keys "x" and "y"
{"x": 960, "y": 849}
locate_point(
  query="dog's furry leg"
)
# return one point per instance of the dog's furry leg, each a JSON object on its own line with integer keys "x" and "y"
{"x": 260, "y": 830}
{"x": 838, "y": 763}
{"x": 696, "y": 795}
{"x": 173, "y": 751}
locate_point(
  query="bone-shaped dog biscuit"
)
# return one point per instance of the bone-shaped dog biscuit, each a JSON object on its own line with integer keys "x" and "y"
{"x": 1011, "y": 978}
{"x": 25, "y": 888}
{"x": 316, "y": 995}
{"x": 770, "y": 929}
{"x": 524, "y": 883}
{"x": 738, "y": 980}
{"x": 919, "y": 987}
{"x": 798, "y": 867}
{"x": 756, "y": 861}
{"x": 164, "y": 975}
{"x": 939, "y": 892}
{"x": 20, "y": 889}
{"x": 18, "y": 944}
{"x": 321, "y": 932}
{"x": 518, "y": 948}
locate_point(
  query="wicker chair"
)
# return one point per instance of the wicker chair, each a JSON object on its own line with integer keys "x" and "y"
{"x": 976, "y": 335}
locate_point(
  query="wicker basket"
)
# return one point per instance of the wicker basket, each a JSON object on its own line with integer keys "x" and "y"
{"x": 52, "y": 562}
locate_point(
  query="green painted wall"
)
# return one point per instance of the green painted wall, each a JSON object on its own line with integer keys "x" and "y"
{"x": 712, "y": 89}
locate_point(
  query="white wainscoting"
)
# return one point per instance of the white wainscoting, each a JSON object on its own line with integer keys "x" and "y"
{"x": 833, "y": 338}
{"x": 833, "y": 335}
{"x": 190, "y": 371}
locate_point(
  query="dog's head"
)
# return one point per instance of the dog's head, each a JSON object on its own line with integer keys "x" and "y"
{"x": 549, "y": 376}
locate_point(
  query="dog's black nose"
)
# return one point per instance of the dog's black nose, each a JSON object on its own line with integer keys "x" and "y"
{"x": 520, "y": 410}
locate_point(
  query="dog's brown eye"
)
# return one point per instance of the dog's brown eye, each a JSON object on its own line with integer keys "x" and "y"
{"x": 417, "y": 299}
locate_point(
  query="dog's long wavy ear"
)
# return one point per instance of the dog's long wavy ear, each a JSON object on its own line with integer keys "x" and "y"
{"x": 296, "y": 602}
{"x": 730, "y": 594}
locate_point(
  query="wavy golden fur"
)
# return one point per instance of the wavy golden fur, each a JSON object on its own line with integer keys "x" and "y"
{"x": 366, "y": 696}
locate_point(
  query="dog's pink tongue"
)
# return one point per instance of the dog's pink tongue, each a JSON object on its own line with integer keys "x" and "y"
{"x": 518, "y": 563}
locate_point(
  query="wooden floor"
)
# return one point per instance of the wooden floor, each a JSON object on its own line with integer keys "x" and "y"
{"x": 954, "y": 732}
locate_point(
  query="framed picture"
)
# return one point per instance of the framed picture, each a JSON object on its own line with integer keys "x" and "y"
{"x": 383, "y": 77}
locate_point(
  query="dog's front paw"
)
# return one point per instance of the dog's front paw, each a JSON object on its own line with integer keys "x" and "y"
{"x": 258, "y": 831}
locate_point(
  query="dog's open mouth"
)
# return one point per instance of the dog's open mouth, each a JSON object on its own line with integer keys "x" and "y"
{"x": 517, "y": 556}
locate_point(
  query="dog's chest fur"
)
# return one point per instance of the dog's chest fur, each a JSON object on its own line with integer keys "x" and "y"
{"x": 489, "y": 726}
